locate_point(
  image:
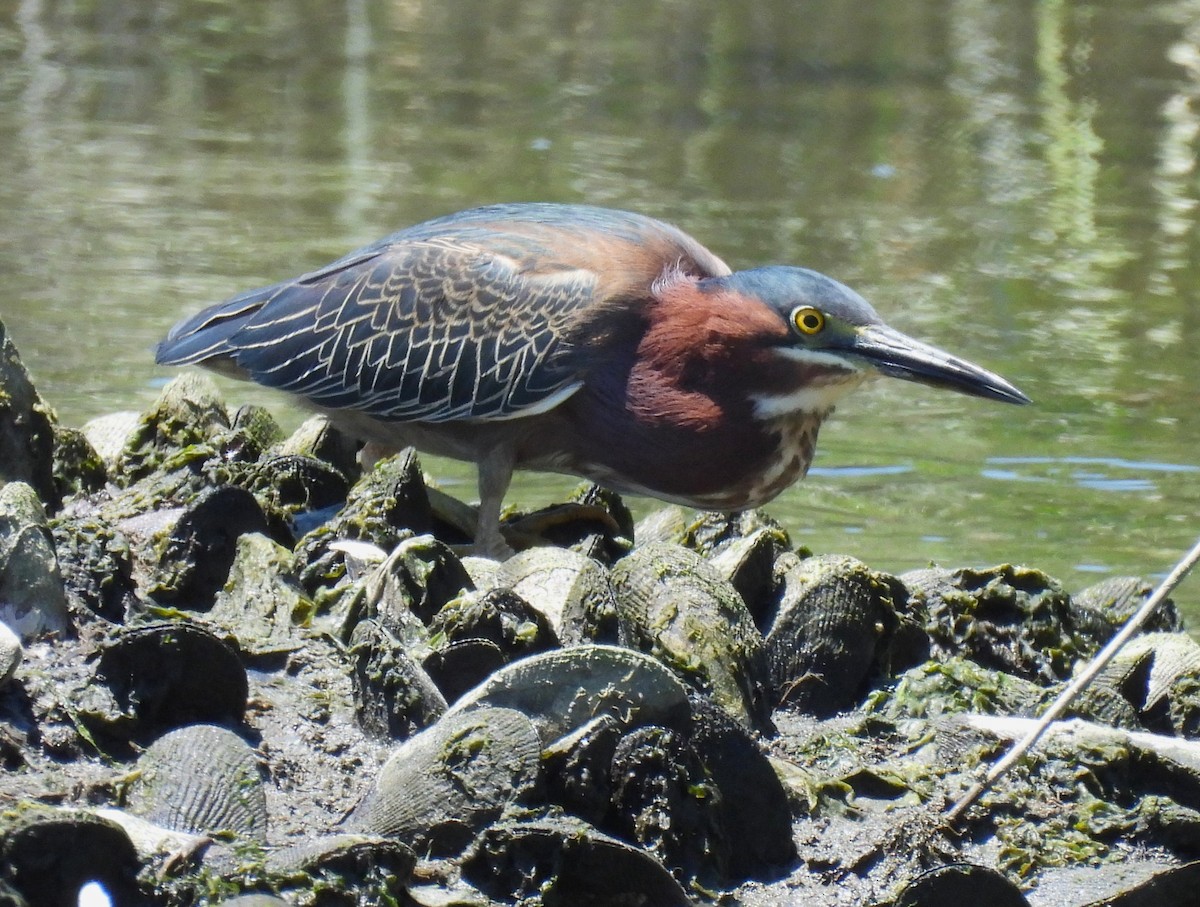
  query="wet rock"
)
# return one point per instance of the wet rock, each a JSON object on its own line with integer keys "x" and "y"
{"x": 26, "y": 428}
{"x": 571, "y": 591}
{"x": 32, "y": 598}
{"x": 564, "y": 861}
{"x": 674, "y": 605}
{"x": 444, "y": 785}
{"x": 832, "y": 631}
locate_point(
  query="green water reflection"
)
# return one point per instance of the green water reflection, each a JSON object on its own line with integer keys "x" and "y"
{"x": 1015, "y": 181}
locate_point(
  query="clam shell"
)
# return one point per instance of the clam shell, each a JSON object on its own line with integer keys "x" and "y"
{"x": 750, "y": 822}
{"x": 748, "y": 563}
{"x": 10, "y": 654}
{"x": 822, "y": 644}
{"x": 564, "y": 690}
{"x": 319, "y": 439}
{"x": 389, "y": 503}
{"x": 171, "y": 673}
{"x": 196, "y": 546}
{"x": 47, "y": 855}
{"x": 961, "y": 883}
{"x": 1173, "y": 656}
{"x": 566, "y": 861}
{"x": 674, "y": 605}
{"x": 443, "y": 785}
{"x": 1104, "y": 607}
{"x": 570, "y": 590}
{"x": 349, "y": 855}
{"x": 393, "y": 695}
{"x": 32, "y": 597}
{"x": 462, "y": 665}
{"x": 202, "y": 780}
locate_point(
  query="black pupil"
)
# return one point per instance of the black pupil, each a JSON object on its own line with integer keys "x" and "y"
{"x": 812, "y": 322}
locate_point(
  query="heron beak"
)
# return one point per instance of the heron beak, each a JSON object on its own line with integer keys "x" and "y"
{"x": 893, "y": 353}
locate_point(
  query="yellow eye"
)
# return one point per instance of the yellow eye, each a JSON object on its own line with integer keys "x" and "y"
{"x": 808, "y": 320}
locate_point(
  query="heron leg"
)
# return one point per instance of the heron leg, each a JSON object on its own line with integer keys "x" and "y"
{"x": 495, "y": 474}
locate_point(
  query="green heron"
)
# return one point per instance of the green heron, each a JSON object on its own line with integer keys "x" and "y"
{"x": 572, "y": 339}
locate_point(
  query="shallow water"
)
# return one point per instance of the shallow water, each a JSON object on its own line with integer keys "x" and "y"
{"x": 1014, "y": 181}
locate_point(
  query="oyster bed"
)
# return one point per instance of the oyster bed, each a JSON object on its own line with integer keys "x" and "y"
{"x": 233, "y": 669}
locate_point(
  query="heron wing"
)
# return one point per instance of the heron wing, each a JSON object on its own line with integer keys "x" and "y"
{"x": 428, "y": 330}
{"x": 481, "y": 314}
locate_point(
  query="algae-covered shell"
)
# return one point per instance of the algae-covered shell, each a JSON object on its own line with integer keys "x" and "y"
{"x": 201, "y": 779}
{"x": 48, "y": 855}
{"x": 832, "y": 617}
{"x": 563, "y": 690}
{"x": 171, "y": 673}
{"x": 439, "y": 788}
{"x": 748, "y": 563}
{"x": 500, "y": 616}
{"x": 389, "y": 503}
{"x": 353, "y": 857}
{"x": 564, "y": 860}
{"x": 393, "y": 695}
{"x": 1013, "y": 618}
{"x": 298, "y": 484}
{"x": 674, "y": 605}
{"x": 961, "y": 883}
{"x": 570, "y": 590}
{"x": 33, "y": 600}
